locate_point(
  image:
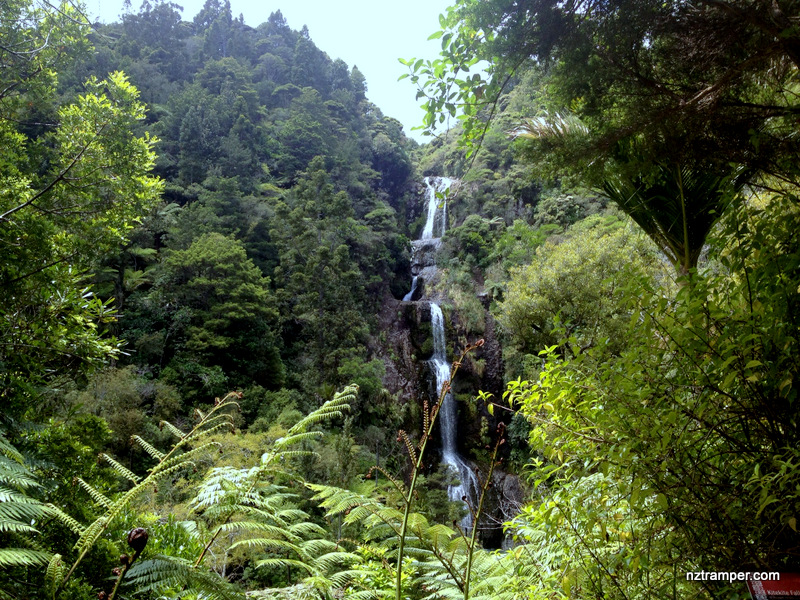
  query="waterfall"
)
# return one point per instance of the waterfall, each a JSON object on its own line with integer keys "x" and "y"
{"x": 435, "y": 184}
{"x": 410, "y": 295}
{"x": 467, "y": 488}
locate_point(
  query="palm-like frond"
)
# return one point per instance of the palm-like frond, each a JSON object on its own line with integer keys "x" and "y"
{"x": 676, "y": 205}
{"x": 551, "y": 126}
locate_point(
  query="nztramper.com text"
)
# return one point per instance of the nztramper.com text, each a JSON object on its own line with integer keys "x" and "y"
{"x": 732, "y": 576}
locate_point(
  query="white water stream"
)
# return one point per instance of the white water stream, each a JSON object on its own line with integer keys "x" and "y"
{"x": 467, "y": 488}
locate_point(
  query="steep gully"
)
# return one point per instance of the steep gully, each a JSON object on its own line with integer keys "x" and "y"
{"x": 466, "y": 489}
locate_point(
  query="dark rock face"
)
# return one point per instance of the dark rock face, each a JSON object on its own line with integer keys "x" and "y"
{"x": 492, "y": 379}
{"x": 504, "y": 501}
{"x": 408, "y": 344}
{"x": 423, "y": 255}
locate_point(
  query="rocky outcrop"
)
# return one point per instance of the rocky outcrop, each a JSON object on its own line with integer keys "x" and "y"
{"x": 406, "y": 329}
{"x": 504, "y": 501}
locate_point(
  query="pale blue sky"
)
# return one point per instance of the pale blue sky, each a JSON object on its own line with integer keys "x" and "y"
{"x": 370, "y": 34}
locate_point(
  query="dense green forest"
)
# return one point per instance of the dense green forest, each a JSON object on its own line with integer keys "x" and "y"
{"x": 214, "y": 372}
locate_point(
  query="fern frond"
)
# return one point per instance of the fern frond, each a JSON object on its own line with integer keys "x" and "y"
{"x": 165, "y": 572}
{"x": 290, "y": 514}
{"x": 8, "y": 495}
{"x": 121, "y": 504}
{"x": 256, "y": 527}
{"x": 148, "y": 447}
{"x": 285, "y": 455}
{"x": 98, "y": 497}
{"x": 13, "y": 526}
{"x": 8, "y": 451}
{"x": 172, "y": 429}
{"x": 335, "y": 407}
{"x": 13, "y": 471}
{"x": 285, "y": 562}
{"x": 409, "y": 446}
{"x": 218, "y": 423}
{"x": 329, "y": 561}
{"x": 442, "y": 535}
{"x": 54, "y": 574}
{"x": 268, "y": 544}
{"x": 19, "y": 557}
{"x": 358, "y": 508}
{"x": 306, "y": 529}
{"x": 74, "y": 526}
{"x": 398, "y": 485}
{"x": 187, "y": 456}
{"x": 90, "y": 534}
{"x": 20, "y": 508}
{"x": 123, "y": 471}
{"x": 417, "y": 522}
{"x": 297, "y": 438}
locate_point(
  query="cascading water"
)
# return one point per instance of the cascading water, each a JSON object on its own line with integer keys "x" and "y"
{"x": 435, "y": 184}
{"x": 466, "y": 490}
{"x": 448, "y": 418}
{"x": 410, "y": 295}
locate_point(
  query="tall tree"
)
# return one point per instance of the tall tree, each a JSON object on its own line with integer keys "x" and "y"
{"x": 322, "y": 283}
{"x": 217, "y": 314}
{"x": 72, "y": 186}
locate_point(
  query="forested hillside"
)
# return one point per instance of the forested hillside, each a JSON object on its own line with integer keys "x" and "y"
{"x": 218, "y": 381}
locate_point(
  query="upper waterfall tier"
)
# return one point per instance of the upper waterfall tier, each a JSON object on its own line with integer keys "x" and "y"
{"x": 437, "y": 219}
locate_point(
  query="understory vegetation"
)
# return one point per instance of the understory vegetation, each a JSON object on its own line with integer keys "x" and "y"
{"x": 212, "y": 387}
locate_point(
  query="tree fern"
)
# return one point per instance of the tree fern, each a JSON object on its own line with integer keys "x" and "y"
{"x": 164, "y": 572}
{"x": 189, "y": 446}
{"x": 18, "y": 512}
{"x": 248, "y": 510}
{"x": 256, "y": 514}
